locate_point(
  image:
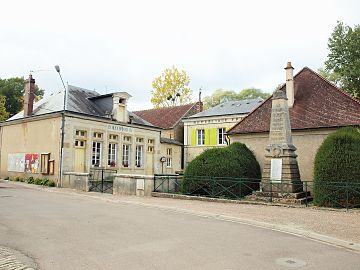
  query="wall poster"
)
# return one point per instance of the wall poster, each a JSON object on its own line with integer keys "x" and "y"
{"x": 31, "y": 163}
{"x": 16, "y": 162}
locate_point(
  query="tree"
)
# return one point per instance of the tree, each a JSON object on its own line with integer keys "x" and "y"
{"x": 13, "y": 90}
{"x": 221, "y": 95}
{"x": 171, "y": 88}
{"x": 344, "y": 57}
{"x": 3, "y": 113}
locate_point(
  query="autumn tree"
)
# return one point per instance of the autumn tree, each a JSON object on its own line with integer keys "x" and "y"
{"x": 3, "y": 113}
{"x": 343, "y": 61}
{"x": 222, "y": 95}
{"x": 13, "y": 90}
{"x": 171, "y": 88}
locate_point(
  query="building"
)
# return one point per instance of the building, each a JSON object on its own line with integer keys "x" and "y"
{"x": 46, "y": 140}
{"x": 317, "y": 108}
{"x": 207, "y": 129}
{"x": 169, "y": 119}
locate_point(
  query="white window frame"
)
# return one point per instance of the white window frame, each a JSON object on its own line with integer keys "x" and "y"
{"x": 139, "y": 156}
{"x": 168, "y": 162}
{"x": 200, "y": 137}
{"x": 221, "y": 140}
{"x": 126, "y": 155}
{"x": 112, "y": 154}
{"x": 96, "y": 154}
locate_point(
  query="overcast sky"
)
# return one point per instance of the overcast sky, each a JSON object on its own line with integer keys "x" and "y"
{"x": 114, "y": 46}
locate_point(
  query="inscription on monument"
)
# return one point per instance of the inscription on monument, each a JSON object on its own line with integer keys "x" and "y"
{"x": 277, "y": 128}
{"x": 276, "y": 170}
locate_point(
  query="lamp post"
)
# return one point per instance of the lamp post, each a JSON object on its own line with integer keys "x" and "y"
{"x": 57, "y": 68}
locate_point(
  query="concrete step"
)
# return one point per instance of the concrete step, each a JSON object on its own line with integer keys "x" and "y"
{"x": 285, "y": 195}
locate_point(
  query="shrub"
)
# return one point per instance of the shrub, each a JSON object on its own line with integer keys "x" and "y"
{"x": 337, "y": 170}
{"x": 7, "y": 178}
{"x": 50, "y": 183}
{"x": 38, "y": 181}
{"x": 209, "y": 173}
{"x": 30, "y": 180}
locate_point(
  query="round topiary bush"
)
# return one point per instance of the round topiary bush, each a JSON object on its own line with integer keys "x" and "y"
{"x": 229, "y": 172}
{"x": 337, "y": 170}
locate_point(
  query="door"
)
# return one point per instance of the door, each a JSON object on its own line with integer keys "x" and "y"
{"x": 80, "y": 157}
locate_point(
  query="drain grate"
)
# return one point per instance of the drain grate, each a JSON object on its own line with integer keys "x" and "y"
{"x": 290, "y": 262}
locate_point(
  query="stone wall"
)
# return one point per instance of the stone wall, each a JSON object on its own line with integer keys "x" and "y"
{"x": 75, "y": 180}
{"x": 133, "y": 184}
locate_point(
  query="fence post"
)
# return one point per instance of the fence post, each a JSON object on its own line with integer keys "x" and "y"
{"x": 270, "y": 191}
{"x": 212, "y": 186}
{"x": 347, "y": 195}
{"x": 306, "y": 194}
{"x": 168, "y": 178}
{"x": 102, "y": 180}
{"x": 154, "y": 179}
{"x": 240, "y": 189}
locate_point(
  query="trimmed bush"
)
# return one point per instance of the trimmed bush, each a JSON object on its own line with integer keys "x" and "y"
{"x": 229, "y": 172}
{"x": 337, "y": 170}
{"x": 7, "y": 178}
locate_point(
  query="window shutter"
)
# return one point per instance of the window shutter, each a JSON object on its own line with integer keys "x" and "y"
{"x": 193, "y": 137}
{"x": 213, "y": 136}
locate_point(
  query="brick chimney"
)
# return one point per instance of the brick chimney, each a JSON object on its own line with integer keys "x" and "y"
{"x": 119, "y": 111}
{"x": 199, "y": 104}
{"x": 290, "y": 89}
{"x": 29, "y": 96}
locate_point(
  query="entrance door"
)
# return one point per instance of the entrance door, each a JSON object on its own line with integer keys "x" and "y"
{"x": 149, "y": 162}
{"x": 80, "y": 156}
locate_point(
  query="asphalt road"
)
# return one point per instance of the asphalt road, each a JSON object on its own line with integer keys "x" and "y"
{"x": 70, "y": 231}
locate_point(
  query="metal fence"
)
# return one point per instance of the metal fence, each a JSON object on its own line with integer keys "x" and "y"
{"x": 101, "y": 180}
{"x": 341, "y": 194}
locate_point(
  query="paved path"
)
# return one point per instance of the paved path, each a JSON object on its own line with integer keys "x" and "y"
{"x": 70, "y": 231}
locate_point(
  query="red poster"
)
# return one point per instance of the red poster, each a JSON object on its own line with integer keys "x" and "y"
{"x": 32, "y": 163}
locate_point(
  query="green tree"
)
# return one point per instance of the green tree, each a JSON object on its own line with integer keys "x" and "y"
{"x": 13, "y": 90}
{"x": 343, "y": 59}
{"x": 3, "y": 113}
{"x": 222, "y": 95}
{"x": 171, "y": 88}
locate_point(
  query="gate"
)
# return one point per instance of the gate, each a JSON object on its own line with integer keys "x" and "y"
{"x": 101, "y": 180}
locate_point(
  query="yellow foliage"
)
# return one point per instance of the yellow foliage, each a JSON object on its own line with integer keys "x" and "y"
{"x": 171, "y": 88}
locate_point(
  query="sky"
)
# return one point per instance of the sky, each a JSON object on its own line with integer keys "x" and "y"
{"x": 113, "y": 46}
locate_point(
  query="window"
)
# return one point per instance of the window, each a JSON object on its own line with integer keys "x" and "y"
{"x": 96, "y": 154}
{"x": 80, "y": 133}
{"x": 112, "y": 153}
{"x": 150, "y": 149}
{"x": 221, "y": 136}
{"x": 126, "y": 155}
{"x": 169, "y": 151}
{"x": 138, "y": 156}
{"x": 80, "y": 143}
{"x": 150, "y": 141}
{"x": 127, "y": 138}
{"x": 97, "y": 135}
{"x": 200, "y": 137}
{"x": 139, "y": 140}
{"x": 113, "y": 137}
{"x": 168, "y": 162}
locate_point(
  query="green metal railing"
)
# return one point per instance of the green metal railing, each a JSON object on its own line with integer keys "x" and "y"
{"x": 101, "y": 180}
{"x": 341, "y": 194}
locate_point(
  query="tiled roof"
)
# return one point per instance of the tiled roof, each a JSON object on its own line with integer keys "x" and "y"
{"x": 230, "y": 107}
{"x": 167, "y": 117}
{"x": 318, "y": 103}
{"x": 170, "y": 141}
{"x": 79, "y": 100}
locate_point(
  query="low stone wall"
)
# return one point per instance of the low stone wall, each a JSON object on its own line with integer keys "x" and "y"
{"x": 133, "y": 184}
{"x": 75, "y": 180}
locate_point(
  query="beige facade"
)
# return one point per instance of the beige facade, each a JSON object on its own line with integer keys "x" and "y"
{"x": 40, "y": 135}
{"x": 88, "y": 142}
{"x": 307, "y": 143}
{"x": 210, "y": 126}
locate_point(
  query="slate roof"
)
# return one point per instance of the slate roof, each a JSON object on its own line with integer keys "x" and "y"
{"x": 170, "y": 141}
{"x": 79, "y": 100}
{"x": 167, "y": 117}
{"x": 230, "y": 107}
{"x": 318, "y": 104}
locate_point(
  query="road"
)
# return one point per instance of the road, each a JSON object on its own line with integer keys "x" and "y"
{"x": 71, "y": 231}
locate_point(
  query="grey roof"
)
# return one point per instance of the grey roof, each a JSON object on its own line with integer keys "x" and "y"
{"x": 78, "y": 100}
{"x": 230, "y": 107}
{"x": 170, "y": 141}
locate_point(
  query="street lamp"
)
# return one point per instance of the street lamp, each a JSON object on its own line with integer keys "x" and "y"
{"x": 57, "y": 68}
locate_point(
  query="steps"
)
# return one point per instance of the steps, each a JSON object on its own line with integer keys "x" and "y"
{"x": 278, "y": 197}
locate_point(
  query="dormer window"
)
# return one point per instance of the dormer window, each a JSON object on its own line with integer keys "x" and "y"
{"x": 122, "y": 101}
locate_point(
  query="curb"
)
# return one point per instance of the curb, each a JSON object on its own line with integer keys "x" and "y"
{"x": 274, "y": 227}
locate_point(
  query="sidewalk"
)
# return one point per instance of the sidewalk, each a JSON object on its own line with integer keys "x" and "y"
{"x": 341, "y": 228}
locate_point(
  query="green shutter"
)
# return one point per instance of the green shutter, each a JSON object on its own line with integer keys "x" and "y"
{"x": 207, "y": 136}
{"x": 193, "y": 136}
{"x": 213, "y": 136}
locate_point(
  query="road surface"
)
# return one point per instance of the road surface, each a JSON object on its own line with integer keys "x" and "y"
{"x": 50, "y": 230}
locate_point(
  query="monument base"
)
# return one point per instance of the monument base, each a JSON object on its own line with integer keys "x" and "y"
{"x": 279, "y": 197}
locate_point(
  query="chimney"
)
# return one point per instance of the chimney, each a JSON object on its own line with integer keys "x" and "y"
{"x": 29, "y": 96}
{"x": 119, "y": 111}
{"x": 290, "y": 89}
{"x": 199, "y": 104}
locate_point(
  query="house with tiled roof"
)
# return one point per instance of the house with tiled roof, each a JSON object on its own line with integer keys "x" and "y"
{"x": 317, "y": 109}
{"x": 169, "y": 119}
{"x": 79, "y": 132}
{"x": 207, "y": 129}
